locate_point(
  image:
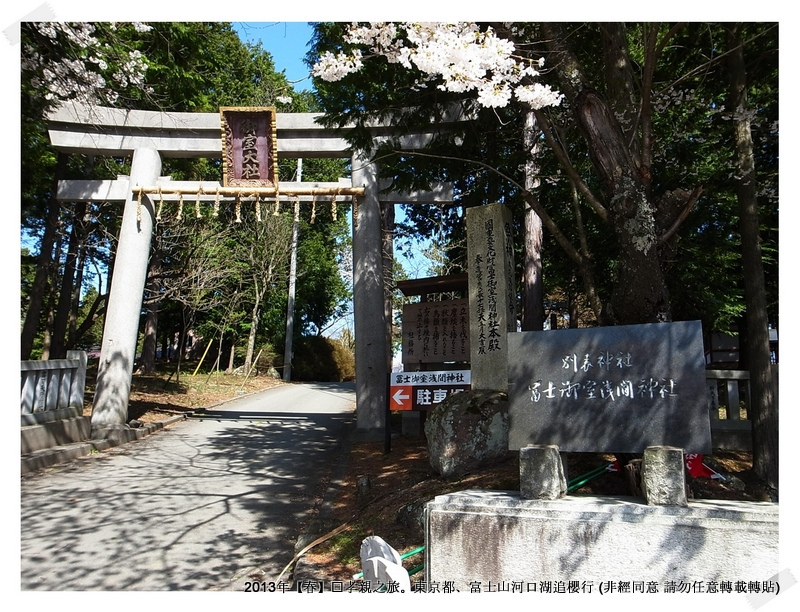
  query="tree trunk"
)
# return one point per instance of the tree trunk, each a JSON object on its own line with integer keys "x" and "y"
{"x": 387, "y": 254}
{"x": 763, "y": 406}
{"x": 620, "y": 79}
{"x": 148, "y": 364}
{"x": 231, "y": 357}
{"x": 640, "y": 292}
{"x": 47, "y": 340}
{"x": 185, "y": 326}
{"x": 96, "y": 310}
{"x": 44, "y": 264}
{"x": 75, "y": 300}
{"x": 58, "y": 349}
{"x": 533, "y": 289}
{"x": 572, "y": 303}
{"x": 251, "y": 337}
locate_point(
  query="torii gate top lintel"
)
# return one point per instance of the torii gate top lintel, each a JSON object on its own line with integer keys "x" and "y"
{"x": 111, "y": 131}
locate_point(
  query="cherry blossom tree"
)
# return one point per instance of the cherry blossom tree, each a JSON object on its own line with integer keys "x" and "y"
{"x": 60, "y": 62}
{"x": 461, "y": 56}
{"x": 83, "y": 62}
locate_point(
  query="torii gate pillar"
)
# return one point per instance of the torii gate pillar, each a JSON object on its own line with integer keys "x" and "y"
{"x": 118, "y": 351}
{"x": 368, "y": 303}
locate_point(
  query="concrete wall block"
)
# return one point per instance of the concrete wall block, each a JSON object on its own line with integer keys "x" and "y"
{"x": 57, "y": 433}
{"x": 731, "y": 435}
{"x": 53, "y": 384}
{"x": 497, "y": 536}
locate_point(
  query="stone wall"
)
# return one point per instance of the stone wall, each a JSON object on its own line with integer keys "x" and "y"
{"x": 482, "y": 536}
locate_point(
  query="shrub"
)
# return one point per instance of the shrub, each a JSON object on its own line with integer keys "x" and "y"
{"x": 322, "y": 359}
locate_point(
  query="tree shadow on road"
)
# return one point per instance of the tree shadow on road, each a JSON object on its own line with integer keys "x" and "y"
{"x": 193, "y": 508}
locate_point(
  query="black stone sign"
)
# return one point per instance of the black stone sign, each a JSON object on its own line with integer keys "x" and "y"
{"x": 610, "y": 389}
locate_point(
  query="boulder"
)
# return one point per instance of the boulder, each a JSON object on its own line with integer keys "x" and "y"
{"x": 466, "y": 431}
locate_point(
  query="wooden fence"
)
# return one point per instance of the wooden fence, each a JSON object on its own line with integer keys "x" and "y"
{"x": 729, "y": 407}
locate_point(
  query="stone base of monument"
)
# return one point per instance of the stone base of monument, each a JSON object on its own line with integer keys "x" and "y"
{"x": 541, "y": 473}
{"x": 496, "y": 537}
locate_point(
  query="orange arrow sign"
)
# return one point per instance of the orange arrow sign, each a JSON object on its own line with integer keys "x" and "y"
{"x": 401, "y": 398}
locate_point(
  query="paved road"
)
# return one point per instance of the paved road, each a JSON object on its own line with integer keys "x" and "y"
{"x": 196, "y": 506}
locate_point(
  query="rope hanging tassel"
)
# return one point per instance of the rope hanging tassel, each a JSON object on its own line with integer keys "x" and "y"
{"x": 260, "y": 198}
{"x": 139, "y": 206}
{"x": 197, "y": 213}
{"x": 160, "y": 204}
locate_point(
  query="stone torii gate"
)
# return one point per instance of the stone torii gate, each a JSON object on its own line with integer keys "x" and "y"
{"x": 150, "y": 136}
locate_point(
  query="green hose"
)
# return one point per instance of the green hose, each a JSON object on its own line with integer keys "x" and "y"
{"x": 579, "y": 481}
{"x": 411, "y": 553}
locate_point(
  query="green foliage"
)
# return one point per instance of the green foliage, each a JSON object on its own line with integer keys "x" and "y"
{"x": 268, "y": 357}
{"x": 321, "y": 359}
{"x": 200, "y": 66}
{"x": 322, "y": 293}
{"x": 347, "y": 545}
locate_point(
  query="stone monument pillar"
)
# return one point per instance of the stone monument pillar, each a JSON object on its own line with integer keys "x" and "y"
{"x": 369, "y": 320}
{"x": 117, "y": 353}
{"x": 492, "y": 294}
{"x": 664, "y": 476}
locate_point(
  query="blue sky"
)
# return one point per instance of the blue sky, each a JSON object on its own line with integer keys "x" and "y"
{"x": 286, "y": 41}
